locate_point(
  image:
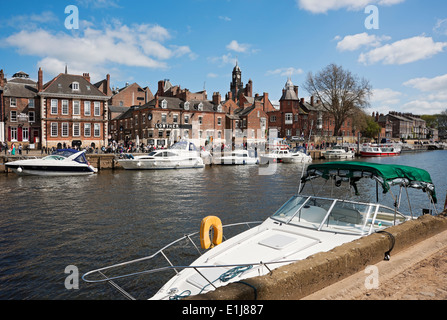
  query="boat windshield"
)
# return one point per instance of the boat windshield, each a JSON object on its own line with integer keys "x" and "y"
{"x": 337, "y": 215}
{"x": 184, "y": 145}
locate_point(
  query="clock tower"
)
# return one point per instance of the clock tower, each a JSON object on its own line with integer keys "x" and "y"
{"x": 236, "y": 82}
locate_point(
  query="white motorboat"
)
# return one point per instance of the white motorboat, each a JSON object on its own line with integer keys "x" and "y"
{"x": 303, "y": 226}
{"x": 182, "y": 155}
{"x": 338, "y": 152}
{"x": 236, "y": 157}
{"x": 285, "y": 156}
{"x": 297, "y": 156}
{"x": 64, "y": 162}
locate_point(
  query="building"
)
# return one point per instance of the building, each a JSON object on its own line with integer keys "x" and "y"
{"x": 20, "y": 111}
{"x": 298, "y": 120}
{"x": 74, "y": 112}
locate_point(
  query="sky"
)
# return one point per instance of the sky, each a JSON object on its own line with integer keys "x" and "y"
{"x": 400, "y": 46}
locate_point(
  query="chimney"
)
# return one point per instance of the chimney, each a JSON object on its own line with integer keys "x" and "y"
{"x": 107, "y": 90}
{"x": 86, "y": 76}
{"x": 40, "y": 80}
{"x": 302, "y": 100}
{"x": 295, "y": 88}
{"x": 156, "y": 100}
{"x": 312, "y": 101}
{"x": 2, "y": 78}
{"x": 161, "y": 85}
{"x": 216, "y": 98}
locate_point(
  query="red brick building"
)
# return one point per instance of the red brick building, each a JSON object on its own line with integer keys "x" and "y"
{"x": 20, "y": 108}
{"x": 297, "y": 118}
{"x": 74, "y": 112}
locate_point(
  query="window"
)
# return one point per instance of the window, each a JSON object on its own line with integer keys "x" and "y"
{"x": 219, "y": 121}
{"x": 97, "y": 108}
{"x": 76, "y": 108}
{"x": 13, "y": 133}
{"x": 288, "y": 118}
{"x": 75, "y": 86}
{"x": 219, "y": 108}
{"x": 87, "y": 130}
{"x": 65, "y": 129}
{"x": 31, "y": 103}
{"x": 13, "y": 116}
{"x": 25, "y": 134}
{"x": 186, "y": 105}
{"x": 272, "y": 118}
{"x": 53, "y": 129}
{"x": 186, "y": 119}
{"x": 54, "y": 106}
{"x": 200, "y": 120}
{"x": 87, "y": 111}
{"x": 200, "y": 106}
{"x": 136, "y": 120}
{"x": 164, "y": 104}
{"x": 65, "y": 107}
{"x": 97, "y": 130}
{"x": 13, "y": 102}
{"x": 31, "y": 116}
{"x": 163, "y": 118}
{"x": 175, "y": 118}
{"x": 76, "y": 129}
{"x": 160, "y": 133}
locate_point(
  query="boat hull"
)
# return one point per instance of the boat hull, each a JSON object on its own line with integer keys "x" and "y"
{"x": 36, "y": 170}
{"x": 379, "y": 154}
{"x": 161, "y": 164}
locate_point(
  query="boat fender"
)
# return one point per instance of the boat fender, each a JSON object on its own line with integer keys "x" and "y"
{"x": 208, "y": 223}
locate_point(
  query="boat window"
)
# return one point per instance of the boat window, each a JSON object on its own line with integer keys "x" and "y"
{"x": 158, "y": 154}
{"x": 350, "y": 217}
{"x": 81, "y": 158}
{"x": 54, "y": 157}
{"x": 286, "y": 212}
{"x": 153, "y": 153}
{"x": 385, "y": 217}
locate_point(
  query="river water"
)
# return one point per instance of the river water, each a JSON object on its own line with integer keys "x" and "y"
{"x": 47, "y": 224}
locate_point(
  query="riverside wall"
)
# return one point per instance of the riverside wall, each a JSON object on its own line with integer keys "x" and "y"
{"x": 310, "y": 275}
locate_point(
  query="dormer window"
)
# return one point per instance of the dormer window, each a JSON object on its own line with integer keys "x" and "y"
{"x": 200, "y": 106}
{"x": 219, "y": 108}
{"x": 164, "y": 104}
{"x": 75, "y": 86}
{"x": 186, "y": 105}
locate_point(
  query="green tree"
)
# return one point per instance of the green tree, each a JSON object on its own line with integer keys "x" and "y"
{"x": 372, "y": 128}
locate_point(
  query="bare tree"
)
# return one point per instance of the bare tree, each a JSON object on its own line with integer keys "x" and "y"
{"x": 341, "y": 93}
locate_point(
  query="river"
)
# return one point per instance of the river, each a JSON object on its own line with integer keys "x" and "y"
{"x": 47, "y": 224}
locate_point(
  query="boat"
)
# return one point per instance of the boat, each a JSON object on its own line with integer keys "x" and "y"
{"x": 303, "y": 226}
{"x": 63, "y": 162}
{"x": 379, "y": 150}
{"x": 181, "y": 155}
{"x": 236, "y": 157}
{"x": 338, "y": 152}
{"x": 297, "y": 155}
{"x": 284, "y": 156}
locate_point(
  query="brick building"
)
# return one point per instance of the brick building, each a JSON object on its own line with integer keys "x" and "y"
{"x": 74, "y": 112}
{"x": 20, "y": 110}
{"x": 298, "y": 118}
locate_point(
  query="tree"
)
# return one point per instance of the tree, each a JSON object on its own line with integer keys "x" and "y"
{"x": 372, "y": 129}
{"x": 341, "y": 93}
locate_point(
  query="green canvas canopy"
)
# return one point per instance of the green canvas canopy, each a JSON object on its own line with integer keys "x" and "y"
{"x": 386, "y": 174}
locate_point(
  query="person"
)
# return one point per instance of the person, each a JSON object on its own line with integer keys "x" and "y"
{"x": 13, "y": 149}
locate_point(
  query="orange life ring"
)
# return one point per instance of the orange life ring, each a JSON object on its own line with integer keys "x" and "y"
{"x": 208, "y": 223}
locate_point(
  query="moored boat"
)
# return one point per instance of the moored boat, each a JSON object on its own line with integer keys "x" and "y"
{"x": 338, "y": 152}
{"x": 379, "y": 150}
{"x": 303, "y": 226}
{"x": 64, "y": 162}
{"x": 182, "y": 155}
{"x": 236, "y": 157}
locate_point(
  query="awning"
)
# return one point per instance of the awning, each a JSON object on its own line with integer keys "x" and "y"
{"x": 386, "y": 174}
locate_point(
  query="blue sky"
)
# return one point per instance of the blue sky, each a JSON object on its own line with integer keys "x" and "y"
{"x": 195, "y": 44}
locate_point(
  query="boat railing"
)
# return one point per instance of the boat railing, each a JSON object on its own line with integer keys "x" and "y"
{"x": 162, "y": 253}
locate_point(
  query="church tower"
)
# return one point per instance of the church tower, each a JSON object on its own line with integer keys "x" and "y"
{"x": 236, "y": 84}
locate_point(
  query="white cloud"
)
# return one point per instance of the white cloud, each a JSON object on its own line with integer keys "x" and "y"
{"x": 429, "y": 84}
{"x": 424, "y": 107}
{"x": 356, "y": 41}
{"x": 238, "y": 47}
{"x": 223, "y": 60}
{"x": 441, "y": 27}
{"x": 404, "y": 51}
{"x": 285, "y": 72}
{"x": 386, "y": 96}
{"x": 31, "y": 21}
{"x": 92, "y": 49}
{"x": 323, "y": 6}
{"x": 224, "y": 18}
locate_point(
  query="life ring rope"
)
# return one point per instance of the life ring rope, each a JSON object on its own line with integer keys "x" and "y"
{"x": 208, "y": 223}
